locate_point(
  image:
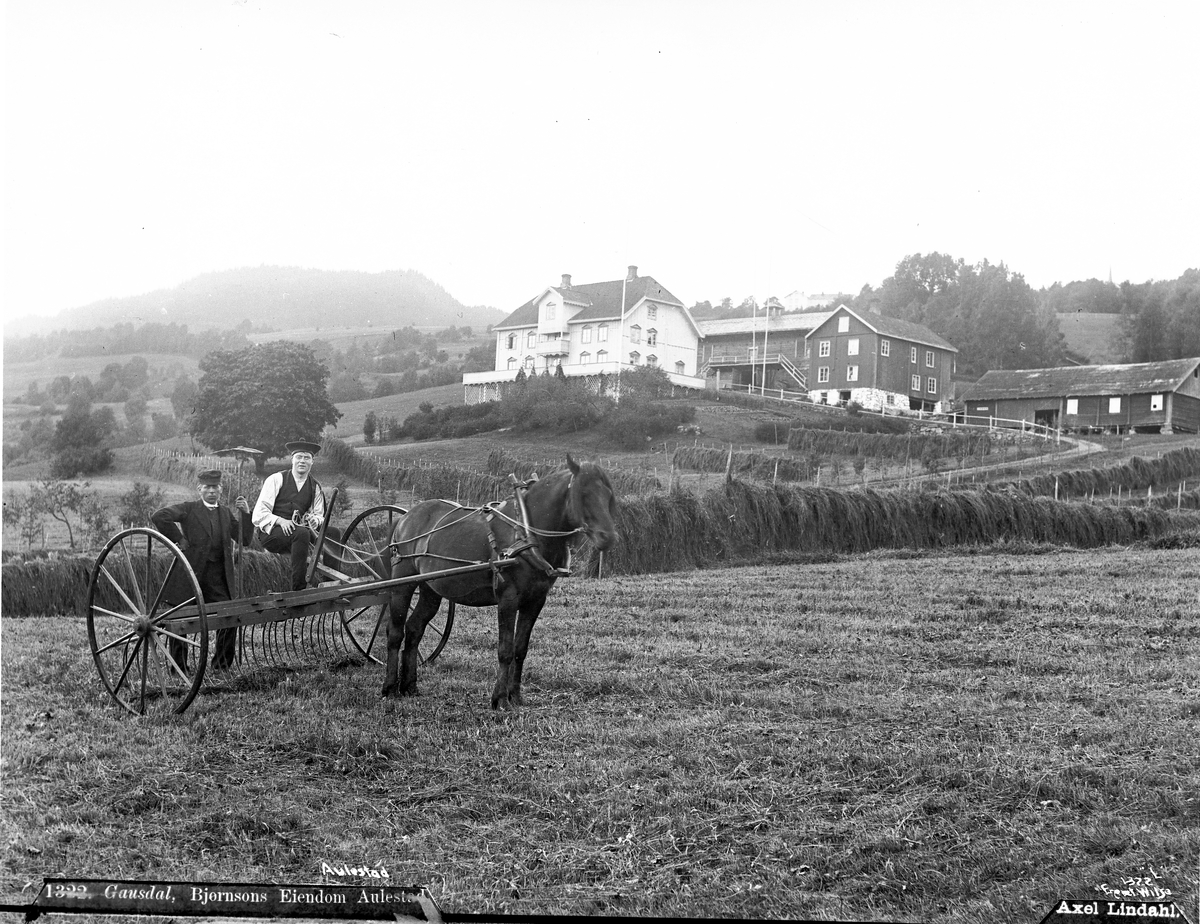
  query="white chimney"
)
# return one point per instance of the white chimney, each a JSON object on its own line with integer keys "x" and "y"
{"x": 632, "y": 274}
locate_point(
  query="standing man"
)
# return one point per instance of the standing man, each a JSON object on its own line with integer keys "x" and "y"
{"x": 205, "y": 530}
{"x": 287, "y": 502}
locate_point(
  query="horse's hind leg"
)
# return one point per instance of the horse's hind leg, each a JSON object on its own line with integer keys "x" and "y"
{"x": 414, "y": 629}
{"x": 398, "y": 609}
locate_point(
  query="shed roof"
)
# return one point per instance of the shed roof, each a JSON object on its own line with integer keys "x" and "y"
{"x": 781, "y": 323}
{"x": 1072, "y": 381}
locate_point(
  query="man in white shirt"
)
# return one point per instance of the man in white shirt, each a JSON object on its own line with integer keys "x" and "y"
{"x": 290, "y": 509}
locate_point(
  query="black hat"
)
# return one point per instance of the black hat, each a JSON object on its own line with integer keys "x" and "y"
{"x": 212, "y": 476}
{"x": 302, "y": 446}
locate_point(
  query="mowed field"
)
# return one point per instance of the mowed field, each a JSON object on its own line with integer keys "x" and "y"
{"x": 892, "y": 737}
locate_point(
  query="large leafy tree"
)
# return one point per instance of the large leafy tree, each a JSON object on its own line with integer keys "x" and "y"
{"x": 262, "y": 397}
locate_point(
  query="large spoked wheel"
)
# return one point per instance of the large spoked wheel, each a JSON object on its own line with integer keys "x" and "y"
{"x": 147, "y": 624}
{"x": 367, "y": 556}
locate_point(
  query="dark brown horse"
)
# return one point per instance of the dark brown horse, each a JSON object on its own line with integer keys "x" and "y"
{"x": 438, "y": 535}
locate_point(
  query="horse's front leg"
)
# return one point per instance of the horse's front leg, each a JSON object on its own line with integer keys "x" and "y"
{"x": 506, "y": 618}
{"x": 528, "y": 616}
{"x": 398, "y": 613}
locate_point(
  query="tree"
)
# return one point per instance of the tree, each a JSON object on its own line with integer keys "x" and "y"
{"x": 81, "y": 440}
{"x": 183, "y": 397}
{"x": 138, "y": 503}
{"x": 370, "y": 426}
{"x": 263, "y": 397}
{"x": 61, "y": 500}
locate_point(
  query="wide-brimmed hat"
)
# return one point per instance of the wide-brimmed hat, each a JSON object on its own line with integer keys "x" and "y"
{"x": 212, "y": 476}
{"x": 302, "y": 446}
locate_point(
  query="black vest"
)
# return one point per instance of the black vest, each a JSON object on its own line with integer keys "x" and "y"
{"x": 289, "y": 500}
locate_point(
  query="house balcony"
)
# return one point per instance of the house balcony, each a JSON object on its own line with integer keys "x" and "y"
{"x": 559, "y": 346}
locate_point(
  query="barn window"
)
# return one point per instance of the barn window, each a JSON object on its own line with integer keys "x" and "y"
{"x": 823, "y": 374}
{"x": 1114, "y": 405}
{"x": 852, "y": 346}
{"x": 823, "y": 349}
{"x": 1156, "y": 402}
{"x": 843, "y": 325}
{"x": 1072, "y": 407}
{"x": 929, "y": 358}
{"x": 852, "y": 373}
{"x": 931, "y": 386}
{"x": 885, "y": 348}
{"x": 914, "y": 355}
{"x": 916, "y": 383}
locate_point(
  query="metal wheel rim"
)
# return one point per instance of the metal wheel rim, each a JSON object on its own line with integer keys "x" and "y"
{"x": 128, "y": 625}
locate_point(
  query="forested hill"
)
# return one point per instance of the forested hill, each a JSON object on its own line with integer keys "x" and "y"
{"x": 279, "y": 298}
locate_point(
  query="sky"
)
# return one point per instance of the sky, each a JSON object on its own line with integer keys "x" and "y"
{"x": 756, "y": 147}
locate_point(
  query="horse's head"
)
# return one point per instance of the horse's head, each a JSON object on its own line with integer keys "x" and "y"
{"x": 592, "y": 504}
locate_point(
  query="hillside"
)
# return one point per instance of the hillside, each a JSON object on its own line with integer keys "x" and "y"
{"x": 1091, "y": 336}
{"x": 278, "y": 297}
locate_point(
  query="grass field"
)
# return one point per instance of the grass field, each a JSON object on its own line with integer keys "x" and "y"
{"x": 891, "y": 737}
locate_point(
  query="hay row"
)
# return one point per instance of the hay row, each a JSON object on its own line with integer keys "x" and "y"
{"x": 740, "y": 521}
{"x": 956, "y": 445}
{"x": 1137, "y": 474}
{"x": 625, "y": 482}
{"x": 52, "y": 587}
{"x": 755, "y": 464}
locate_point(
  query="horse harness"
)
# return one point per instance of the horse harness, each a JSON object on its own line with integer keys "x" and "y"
{"x": 524, "y": 544}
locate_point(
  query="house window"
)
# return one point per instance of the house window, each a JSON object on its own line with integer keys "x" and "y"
{"x": 651, "y": 360}
{"x": 852, "y": 373}
{"x": 1156, "y": 402}
{"x": 634, "y": 357}
{"x": 1114, "y": 405}
{"x": 916, "y": 383}
{"x": 585, "y": 357}
{"x": 1073, "y": 407}
{"x": 531, "y": 339}
{"x": 602, "y": 333}
{"x": 550, "y": 310}
{"x": 586, "y": 336}
{"x": 823, "y": 374}
{"x": 929, "y": 358}
{"x": 512, "y": 362}
{"x": 510, "y": 343}
{"x": 931, "y": 385}
{"x": 652, "y": 312}
{"x": 885, "y": 348}
{"x": 891, "y": 399}
{"x": 529, "y": 362}
{"x": 651, "y": 337}
{"x": 913, "y": 359}
{"x": 635, "y": 334}
{"x": 852, "y": 346}
{"x": 602, "y": 356}
{"x": 843, "y": 324}
{"x": 679, "y": 367}
{"x": 823, "y": 349}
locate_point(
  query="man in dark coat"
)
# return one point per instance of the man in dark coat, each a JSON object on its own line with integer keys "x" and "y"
{"x": 290, "y": 509}
{"x": 205, "y": 530}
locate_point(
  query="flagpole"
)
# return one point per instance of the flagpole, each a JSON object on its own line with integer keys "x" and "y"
{"x": 766, "y": 332}
{"x": 621, "y": 335}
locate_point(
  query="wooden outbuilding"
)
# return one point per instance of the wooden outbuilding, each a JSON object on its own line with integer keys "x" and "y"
{"x": 1146, "y": 397}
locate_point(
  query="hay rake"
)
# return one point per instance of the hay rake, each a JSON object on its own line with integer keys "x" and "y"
{"x": 151, "y": 654}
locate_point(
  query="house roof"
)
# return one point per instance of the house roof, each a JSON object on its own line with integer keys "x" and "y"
{"x": 791, "y": 321}
{"x": 901, "y": 330}
{"x": 1072, "y": 381}
{"x": 602, "y": 300}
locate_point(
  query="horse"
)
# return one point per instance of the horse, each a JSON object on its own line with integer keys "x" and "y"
{"x": 437, "y": 535}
